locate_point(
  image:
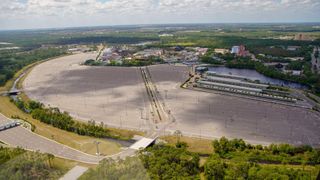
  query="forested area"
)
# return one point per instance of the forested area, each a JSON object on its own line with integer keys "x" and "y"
{"x": 232, "y": 159}
{"x": 166, "y": 162}
{"x": 130, "y": 168}
{"x": 16, "y": 163}
{"x": 213, "y": 39}
{"x": 111, "y": 39}
{"x": 12, "y": 61}
{"x": 237, "y": 149}
{"x": 36, "y": 38}
{"x": 64, "y": 121}
{"x": 280, "y": 51}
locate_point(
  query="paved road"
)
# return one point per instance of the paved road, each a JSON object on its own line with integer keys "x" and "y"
{"x": 21, "y": 137}
{"x": 74, "y": 173}
{"x": 4, "y": 120}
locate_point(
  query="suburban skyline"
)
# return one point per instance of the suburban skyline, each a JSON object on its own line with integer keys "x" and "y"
{"x": 30, "y": 14}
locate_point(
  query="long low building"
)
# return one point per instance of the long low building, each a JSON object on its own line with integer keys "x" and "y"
{"x": 213, "y": 73}
{"x": 236, "y": 82}
{"x": 241, "y": 90}
{"x": 228, "y": 87}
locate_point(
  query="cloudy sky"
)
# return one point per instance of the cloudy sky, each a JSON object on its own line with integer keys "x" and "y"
{"x": 25, "y": 14}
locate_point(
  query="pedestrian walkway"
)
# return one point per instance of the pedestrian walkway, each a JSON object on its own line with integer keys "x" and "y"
{"x": 74, "y": 173}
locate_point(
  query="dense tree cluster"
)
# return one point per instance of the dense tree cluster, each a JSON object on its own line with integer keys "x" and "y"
{"x": 12, "y": 61}
{"x": 114, "y": 39}
{"x": 218, "y": 168}
{"x": 6, "y": 153}
{"x": 275, "y": 153}
{"x": 231, "y": 159}
{"x": 295, "y": 65}
{"x": 166, "y": 162}
{"x": 20, "y": 164}
{"x": 281, "y": 51}
{"x": 64, "y": 121}
{"x": 130, "y": 168}
{"x": 213, "y": 39}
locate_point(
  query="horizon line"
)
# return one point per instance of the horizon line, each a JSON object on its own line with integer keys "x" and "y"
{"x": 155, "y": 24}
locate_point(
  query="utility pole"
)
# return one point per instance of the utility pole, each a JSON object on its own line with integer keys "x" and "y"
{"x": 141, "y": 113}
{"x": 120, "y": 122}
{"x": 97, "y": 145}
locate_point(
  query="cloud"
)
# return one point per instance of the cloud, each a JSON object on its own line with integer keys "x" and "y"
{"x": 77, "y": 12}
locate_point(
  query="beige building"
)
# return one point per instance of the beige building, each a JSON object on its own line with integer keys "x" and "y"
{"x": 221, "y": 51}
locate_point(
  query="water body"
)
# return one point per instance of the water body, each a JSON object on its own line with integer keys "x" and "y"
{"x": 9, "y": 48}
{"x": 254, "y": 75}
{"x": 4, "y": 43}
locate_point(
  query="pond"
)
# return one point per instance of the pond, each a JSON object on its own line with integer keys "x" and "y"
{"x": 254, "y": 75}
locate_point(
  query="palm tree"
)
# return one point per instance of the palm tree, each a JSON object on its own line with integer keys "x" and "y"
{"x": 178, "y": 134}
{"x": 50, "y": 157}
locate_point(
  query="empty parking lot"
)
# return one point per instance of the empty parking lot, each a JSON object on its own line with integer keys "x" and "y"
{"x": 117, "y": 97}
{"x": 214, "y": 115}
{"x": 112, "y": 95}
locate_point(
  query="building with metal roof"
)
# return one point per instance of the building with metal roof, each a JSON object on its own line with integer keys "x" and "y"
{"x": 227, "y": 87}
{"x": 236, "y": 82}
{"x": 213, "y": 73}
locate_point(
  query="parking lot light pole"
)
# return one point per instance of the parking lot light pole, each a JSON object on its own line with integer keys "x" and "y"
{"x": 141, "y": 113}
{"x": 97, "y": 144}
{"x": 166, "y": 94}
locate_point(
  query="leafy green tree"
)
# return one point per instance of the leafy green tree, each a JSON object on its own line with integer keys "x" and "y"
{"x": 238, "y": 170}
{"x": 224, "y": 145}
{"x": 180, "y": 144}
{"x": 35, "y": 105}
{"x": 166, "y": 162}
{"x": 130, "y": 168}
{"x": 214, "y": 169}
{"x": 27, "y": 165}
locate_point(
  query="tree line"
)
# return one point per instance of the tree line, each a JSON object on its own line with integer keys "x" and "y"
{"x": 64, "y": 121}
{"x": 231, "y": 159}
{"x": 16, "y": 163}
{"x": 12, "y": 61}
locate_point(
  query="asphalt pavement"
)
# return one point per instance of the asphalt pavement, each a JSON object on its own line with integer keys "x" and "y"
{"x": 21, "y": 137}
{"x": 74, "y": 173}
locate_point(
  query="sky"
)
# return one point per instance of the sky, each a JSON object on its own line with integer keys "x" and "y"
{"x": 34, "y": 14}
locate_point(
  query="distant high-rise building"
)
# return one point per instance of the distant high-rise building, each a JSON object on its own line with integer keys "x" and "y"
{"x": 235, "y": 49}
{"x": 240, "y": 50}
